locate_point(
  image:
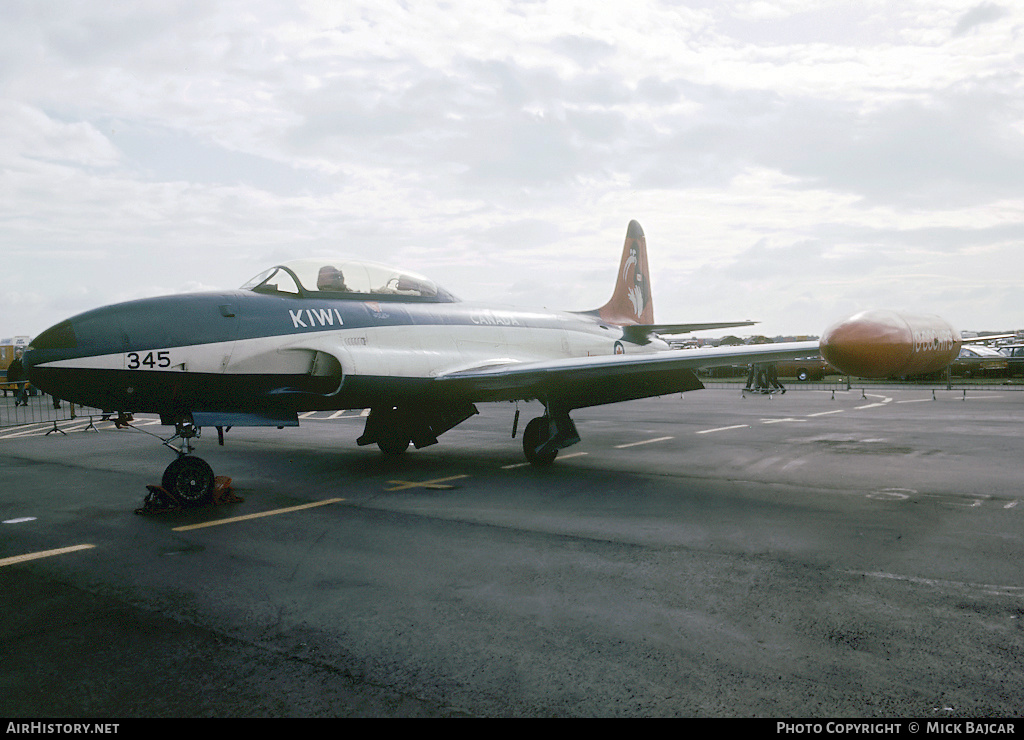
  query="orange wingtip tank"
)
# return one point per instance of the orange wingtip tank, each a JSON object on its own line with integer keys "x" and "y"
{"x": 884, "y": 344}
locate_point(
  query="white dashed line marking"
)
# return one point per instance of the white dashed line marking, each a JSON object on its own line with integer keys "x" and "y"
{"x": 724, "y": 429}
{"x": 642, "y": 442}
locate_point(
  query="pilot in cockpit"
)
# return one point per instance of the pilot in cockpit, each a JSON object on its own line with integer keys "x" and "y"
{"x": 331, "y": 279}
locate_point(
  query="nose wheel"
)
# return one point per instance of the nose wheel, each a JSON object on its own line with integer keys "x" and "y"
{"x": 189, "y": 480}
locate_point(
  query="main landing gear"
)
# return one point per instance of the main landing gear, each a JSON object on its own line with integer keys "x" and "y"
{"x": 394, "y": 428}
{"x": 545, "y": 435}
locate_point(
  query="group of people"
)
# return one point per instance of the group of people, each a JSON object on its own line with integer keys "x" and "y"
{"x": 765, "y": 378}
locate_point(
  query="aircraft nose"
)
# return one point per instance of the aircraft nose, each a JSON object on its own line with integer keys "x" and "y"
{"x": 56, "y": 343}
{"x": 870, "y": 344}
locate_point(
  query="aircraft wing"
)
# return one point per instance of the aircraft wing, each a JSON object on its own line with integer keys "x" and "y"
{"x": 986, "y": 338}
{"x": 591, "y": 381}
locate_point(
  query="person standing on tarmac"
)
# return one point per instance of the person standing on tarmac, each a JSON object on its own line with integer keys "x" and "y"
{"x": 772, "y": 373}
{"x": 758, "y": 375}
{"x": 751, "y": 376}
{"x": 16, "y": 375}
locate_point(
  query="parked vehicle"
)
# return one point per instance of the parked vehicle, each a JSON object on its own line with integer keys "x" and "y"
{"x": 8, "y": 346}
{"x": 1014, "y": 354}
{"x": 805, "y": 368}
{"x": 978, "y": 361}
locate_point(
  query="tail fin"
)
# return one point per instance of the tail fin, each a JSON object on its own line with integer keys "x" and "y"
{"x": 631, "y": 300}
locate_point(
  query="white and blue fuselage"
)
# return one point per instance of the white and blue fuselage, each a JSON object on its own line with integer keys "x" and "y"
{"x": 280, "y": 346}
{"x": 349, "y": 334}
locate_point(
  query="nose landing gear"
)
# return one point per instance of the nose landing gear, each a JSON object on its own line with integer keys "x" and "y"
{"x": 188, "y": 482}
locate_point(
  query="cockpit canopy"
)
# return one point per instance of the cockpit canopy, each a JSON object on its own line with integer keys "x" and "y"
{"x": 347, "y": 278}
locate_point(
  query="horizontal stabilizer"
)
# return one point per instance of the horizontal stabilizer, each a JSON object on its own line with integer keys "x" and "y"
{"x": 684, "y": 328}
{"x": 639, "y": 332}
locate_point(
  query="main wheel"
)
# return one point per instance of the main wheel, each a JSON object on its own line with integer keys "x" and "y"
{"x": 393, "y": 444}
{"x": 535, "y": 434}
{"x": 189, "y": 480}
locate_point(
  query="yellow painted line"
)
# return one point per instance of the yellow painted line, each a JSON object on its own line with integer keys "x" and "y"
{"x": 258, "y": 515}
{"x": 43, "y": 554}
{"x": 644, "y": 442}
{"x": 437, "y": 483}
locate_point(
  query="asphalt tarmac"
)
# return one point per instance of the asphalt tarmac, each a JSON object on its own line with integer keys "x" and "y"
{"x": 703, "y": 555}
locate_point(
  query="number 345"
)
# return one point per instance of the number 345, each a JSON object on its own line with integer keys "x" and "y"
{"x": 149, "y": 360}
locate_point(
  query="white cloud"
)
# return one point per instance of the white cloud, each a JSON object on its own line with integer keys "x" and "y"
{"x": 979, "y": 15}
{"x": 785, "y": 158}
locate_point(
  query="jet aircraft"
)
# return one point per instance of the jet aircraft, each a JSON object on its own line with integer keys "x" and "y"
{"x": 329, "y": 334}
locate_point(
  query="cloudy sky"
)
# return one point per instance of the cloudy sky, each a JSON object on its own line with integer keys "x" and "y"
{"x": 790, "y": 161}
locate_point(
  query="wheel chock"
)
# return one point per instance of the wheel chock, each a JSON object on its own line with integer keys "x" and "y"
{"x": 222, "y": 491}
{"x": 159, "y": 501}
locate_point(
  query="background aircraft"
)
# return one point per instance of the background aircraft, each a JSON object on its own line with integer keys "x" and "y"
{"x": 346, "y": 334}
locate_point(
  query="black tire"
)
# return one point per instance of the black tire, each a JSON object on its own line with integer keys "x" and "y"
{"x": 392, "y": 444}
{"x": 189, "y": 481}
{"x": 802, "y": 375}
{"x": 533, "y": 436}
{"x": 390, "y": 428}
